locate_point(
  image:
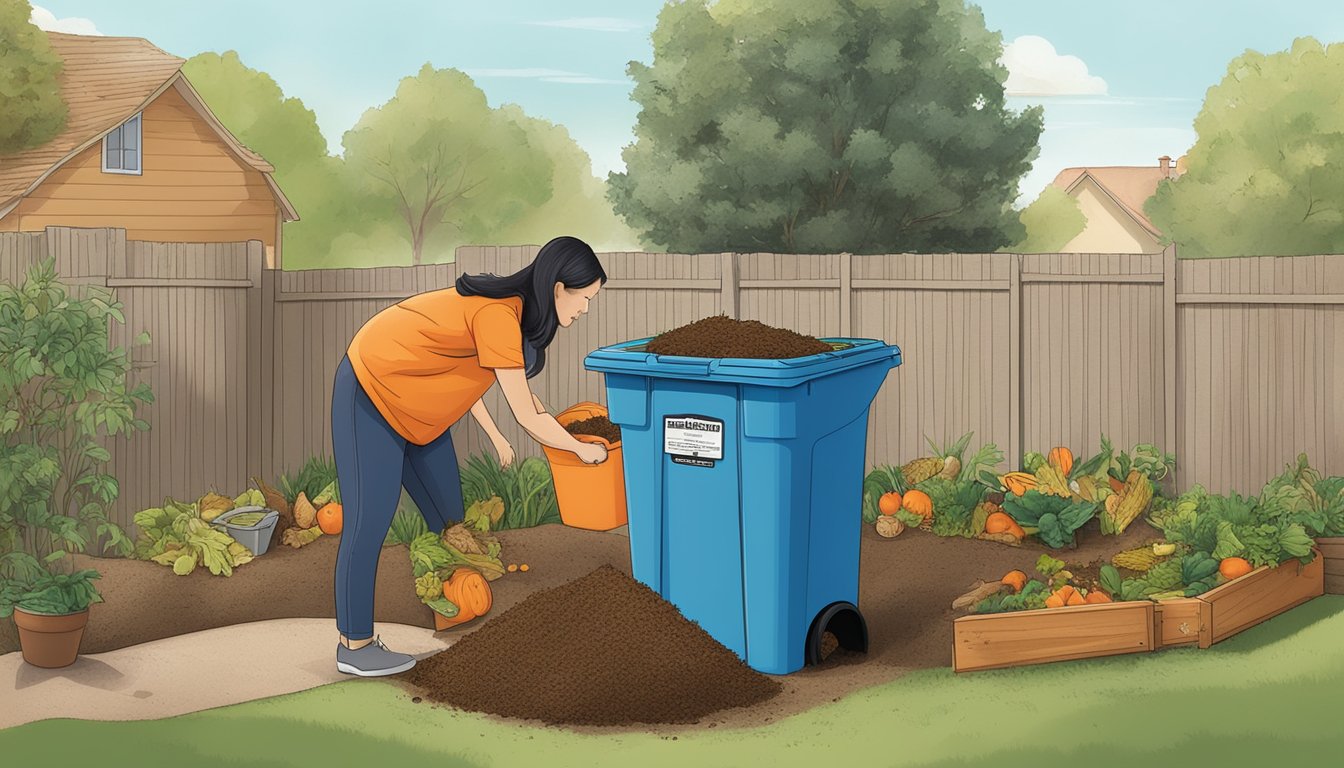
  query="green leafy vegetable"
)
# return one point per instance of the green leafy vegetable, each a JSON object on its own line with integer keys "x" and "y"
{"x": 1031, "y": 597}
{"x": 1055, "y": 517}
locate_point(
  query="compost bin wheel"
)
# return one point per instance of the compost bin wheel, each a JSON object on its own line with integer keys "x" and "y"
{"x": 843, "y": 620}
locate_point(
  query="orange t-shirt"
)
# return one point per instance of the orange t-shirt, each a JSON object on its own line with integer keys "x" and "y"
{"x": 426, "y": 360}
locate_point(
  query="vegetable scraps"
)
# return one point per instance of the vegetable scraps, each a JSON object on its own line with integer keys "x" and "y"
{"x": 458, "y": 563}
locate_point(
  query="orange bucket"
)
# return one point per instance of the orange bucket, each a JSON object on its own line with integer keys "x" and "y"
{"x": 590, "y": 496}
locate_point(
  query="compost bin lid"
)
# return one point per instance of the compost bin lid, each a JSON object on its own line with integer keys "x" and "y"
{"x": 632, "y": 357}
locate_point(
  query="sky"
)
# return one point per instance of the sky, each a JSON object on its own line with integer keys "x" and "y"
{"x": 1120, "y": 81}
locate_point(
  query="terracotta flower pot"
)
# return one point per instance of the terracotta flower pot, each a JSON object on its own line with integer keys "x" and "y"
{"x": 50, "y": 641}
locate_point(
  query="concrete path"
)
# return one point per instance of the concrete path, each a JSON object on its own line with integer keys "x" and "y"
{"x": 189, "y": 673}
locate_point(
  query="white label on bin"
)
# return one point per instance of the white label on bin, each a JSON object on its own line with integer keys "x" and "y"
{"x": 693, "y": 436}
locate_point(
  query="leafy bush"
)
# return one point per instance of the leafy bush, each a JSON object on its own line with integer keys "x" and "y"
{"x": 525, "y": 486}
{"x": 63, "y": 393}
{"x": 317, "y": 473}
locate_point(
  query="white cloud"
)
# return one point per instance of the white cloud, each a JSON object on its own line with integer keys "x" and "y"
{"x": 44, "y": 19}
{"x": 546, "y": 76}
{"x": 1035, "y": 68}
{"x": 593, "y": 24}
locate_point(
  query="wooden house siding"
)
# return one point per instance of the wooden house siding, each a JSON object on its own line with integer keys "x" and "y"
{"x": 193, "y": 187}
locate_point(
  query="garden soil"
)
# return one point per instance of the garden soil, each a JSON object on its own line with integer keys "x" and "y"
{"x": 906, "y": 588}
{"x": 601, "y": 650}
{"x": 722, "y": 336}
{"x": 598, "y": 426}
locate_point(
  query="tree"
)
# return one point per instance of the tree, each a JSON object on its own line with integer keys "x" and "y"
{"x": 446, "y": 166}
{"x": 822, "y": 125}
{"x": 255, "y": 110}
{"x": 1262, "y": 177}
{"x": 578, "y": 202}
{"x": 1051, "y": 221}
{"x": 31, "y": 109}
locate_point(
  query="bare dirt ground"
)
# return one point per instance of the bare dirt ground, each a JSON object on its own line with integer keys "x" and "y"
{"x": 907, "y": 585}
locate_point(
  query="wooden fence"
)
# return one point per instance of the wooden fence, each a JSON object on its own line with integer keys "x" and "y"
{"x": 1235, "y": 365}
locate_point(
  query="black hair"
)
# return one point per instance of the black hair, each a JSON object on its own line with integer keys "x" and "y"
{"x": 565, "y": 260}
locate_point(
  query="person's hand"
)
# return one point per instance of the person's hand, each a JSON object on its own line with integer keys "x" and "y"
{"x": 505, "y": 451}
{"x": 591, "y": 453}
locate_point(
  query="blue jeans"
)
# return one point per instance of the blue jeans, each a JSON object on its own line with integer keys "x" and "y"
{"x": 373, "y": 463}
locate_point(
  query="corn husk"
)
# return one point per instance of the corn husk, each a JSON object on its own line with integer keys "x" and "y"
{"x": 461, "y": 539}
{"x": 325, "y": 496}
{"x": 298, "y": 537}
{"x": 212, "y": 505}
{"x": 920, "y": 470}
{"x": 305, "y": 514}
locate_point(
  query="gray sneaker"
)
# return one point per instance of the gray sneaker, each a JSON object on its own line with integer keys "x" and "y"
{"x": 373, "y": 660}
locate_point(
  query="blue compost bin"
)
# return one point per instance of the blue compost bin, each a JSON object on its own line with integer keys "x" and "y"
{"x": 744, "y": 483}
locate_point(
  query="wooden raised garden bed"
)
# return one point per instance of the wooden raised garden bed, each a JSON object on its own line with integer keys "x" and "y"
{"x": 1184, "y": 621}
{"x": 1013, "y": 639}
{"x": 998, "y": 640}
{"x": 1332, "y": 550}
{"x": 1262, "y": 594}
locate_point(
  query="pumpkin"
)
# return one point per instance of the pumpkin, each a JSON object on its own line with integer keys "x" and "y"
{"x": 470, "y": 592}
{"x": 890, "y": 503}
{"x": 1016, "y": 531}
{"x": 1234, "y": 567}
{"x": 1096, "y": 597}
{"x": 999, "y": 522}
{"x": 918, "y": 503}
{"x": 1015, "y": 579}
{"x": 329, "y": 518}
{"x": 1061, "y": 458}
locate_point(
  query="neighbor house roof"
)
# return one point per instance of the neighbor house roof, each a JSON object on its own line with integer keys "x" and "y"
{"x": 105, "y": 81}
{"x": 1129, "y": 186}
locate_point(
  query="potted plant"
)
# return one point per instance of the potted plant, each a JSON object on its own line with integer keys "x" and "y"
{"x": 52, "y": 615}
{"x": 63, "y": 394}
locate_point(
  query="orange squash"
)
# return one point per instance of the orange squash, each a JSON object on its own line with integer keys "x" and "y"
{"x": 918, "y": 503}
{"x": 1017, "y": 532}
{"x": 1015, "y": 579}
{"x": 470, "y": 592}
{"x": 999, "y": 522}
{"x": 889, "y": 503}
{"x": 1061, "y": 458}
{"x": 1096, "y": 597}
{"x": 1065, "y": 595}
{"x": 329, "y": 518}
{"x": 1234, "y": 567}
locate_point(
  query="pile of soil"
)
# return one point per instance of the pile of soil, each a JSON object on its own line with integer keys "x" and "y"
{"x": 601, "y": 650}
{"x": 598, "y": 426}
{"x": 722, "y": 336}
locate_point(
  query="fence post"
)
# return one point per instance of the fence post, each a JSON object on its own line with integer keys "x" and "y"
{"x": 1016, "y": 403}
{"x": 259, "y": 389}
{"x": 1169, "y": 342}
{"x": 846, "y": 294}
{"x": 728, "y": 291}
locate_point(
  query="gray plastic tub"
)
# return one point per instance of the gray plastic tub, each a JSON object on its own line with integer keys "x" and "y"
{"x": 257, "y": 538}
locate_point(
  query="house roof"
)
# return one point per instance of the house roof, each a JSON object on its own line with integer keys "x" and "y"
{"x": 105, "y": 81}
{"x": 1129, "y": 186}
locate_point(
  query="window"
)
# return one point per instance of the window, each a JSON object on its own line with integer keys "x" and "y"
{"x": 121, "y": 148}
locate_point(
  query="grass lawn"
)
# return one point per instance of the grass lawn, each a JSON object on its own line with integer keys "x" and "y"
{"x": 1269, "y": 694}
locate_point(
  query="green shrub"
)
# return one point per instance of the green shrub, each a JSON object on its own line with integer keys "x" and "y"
{"x": 63, "y": 393}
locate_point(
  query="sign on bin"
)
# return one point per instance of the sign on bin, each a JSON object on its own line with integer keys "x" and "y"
{"x": 693, "y": 440}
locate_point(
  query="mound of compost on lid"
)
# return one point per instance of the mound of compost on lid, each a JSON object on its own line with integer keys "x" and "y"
{"x": 722, "y": 336}
{"x": 600, "y": 650}
{"x": 598, "y": 426}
